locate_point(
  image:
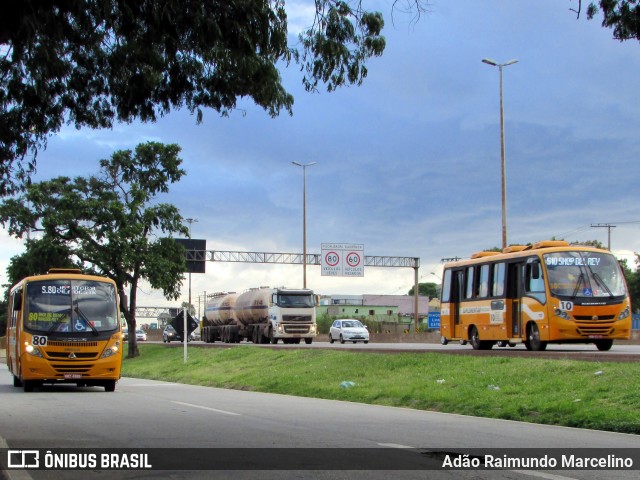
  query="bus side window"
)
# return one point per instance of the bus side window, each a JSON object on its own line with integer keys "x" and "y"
{"x": 534, "y": 285}
{"x": 446, "y": 287}
{"x": 16, "y": 306}
{"x": 469, "y": 285}
{"x": 483, "y": 284}
{"x": 497, "y": 285}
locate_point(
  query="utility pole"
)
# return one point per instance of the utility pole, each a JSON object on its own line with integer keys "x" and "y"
{"x": 608, "y": 226}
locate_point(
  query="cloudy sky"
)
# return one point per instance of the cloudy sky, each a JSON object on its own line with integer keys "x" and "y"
{"x": 408, "y": 164}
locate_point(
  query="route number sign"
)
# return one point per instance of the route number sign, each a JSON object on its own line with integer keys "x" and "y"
{"x": 342, "y": 260}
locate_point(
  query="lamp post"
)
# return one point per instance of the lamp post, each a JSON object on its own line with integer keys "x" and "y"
{"x": 502, "y": 161}
{"x": 190, "y": 221}
{"x": 304, "y": 219}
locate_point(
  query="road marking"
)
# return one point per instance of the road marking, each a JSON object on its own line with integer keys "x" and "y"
{"x": 548, "y": 476}
{"x": 152, "y": 385}
{"x": 202, "y": 407}
{"x": 394, "y": 445}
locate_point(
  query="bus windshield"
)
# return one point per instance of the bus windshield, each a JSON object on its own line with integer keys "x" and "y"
{"x": 72, "y": 306}
{"x": 584, "y": 274}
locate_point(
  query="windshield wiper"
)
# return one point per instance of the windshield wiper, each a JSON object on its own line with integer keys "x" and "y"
{"x": 580, "y": 280}
{"x": 86, "y": 320}
{"x": 601, "y": 282}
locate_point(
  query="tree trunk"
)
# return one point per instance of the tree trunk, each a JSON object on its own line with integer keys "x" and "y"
{"x": 130, "y": 316}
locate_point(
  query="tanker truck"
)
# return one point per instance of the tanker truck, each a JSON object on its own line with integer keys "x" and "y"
{"x": 261, "y": 315}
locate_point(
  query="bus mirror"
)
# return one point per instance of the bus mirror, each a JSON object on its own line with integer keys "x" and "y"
{"x": 535, "y": 271}
{"x": 17, "y": 301}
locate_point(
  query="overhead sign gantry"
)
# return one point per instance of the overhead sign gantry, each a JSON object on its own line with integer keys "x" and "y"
{"x": 193, "y": 255}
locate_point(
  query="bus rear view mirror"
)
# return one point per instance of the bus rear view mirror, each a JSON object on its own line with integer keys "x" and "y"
{"x": 17, "y": 301}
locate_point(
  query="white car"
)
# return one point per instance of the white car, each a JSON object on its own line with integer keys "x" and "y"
{"x": 348, "y": 330}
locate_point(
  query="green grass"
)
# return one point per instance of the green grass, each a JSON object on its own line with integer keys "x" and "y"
{"x": 601, "y": 396}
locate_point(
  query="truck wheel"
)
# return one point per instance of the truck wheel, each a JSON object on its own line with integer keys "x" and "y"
{"x": 274, "y": 340}
{"x": 308, "y": 341}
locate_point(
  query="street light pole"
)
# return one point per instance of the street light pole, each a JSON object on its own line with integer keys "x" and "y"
{"x": 304, "y": 219}
{"x": 502, "y": 154}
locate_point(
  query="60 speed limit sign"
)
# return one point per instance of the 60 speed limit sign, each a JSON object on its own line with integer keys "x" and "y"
{"x": 342, "y": 260}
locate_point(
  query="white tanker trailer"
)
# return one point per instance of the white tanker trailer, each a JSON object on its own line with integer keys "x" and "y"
{"x": 261, "y": 315}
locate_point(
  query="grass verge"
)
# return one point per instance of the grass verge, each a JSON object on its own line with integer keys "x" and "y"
{"x": 556, "y": 392}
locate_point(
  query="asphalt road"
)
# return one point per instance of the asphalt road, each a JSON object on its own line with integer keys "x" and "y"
{"x": 332, "y": 439}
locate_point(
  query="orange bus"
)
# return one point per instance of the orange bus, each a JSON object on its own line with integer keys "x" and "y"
{"x": 64, "y": 327}
{"x": 548, "y": 292}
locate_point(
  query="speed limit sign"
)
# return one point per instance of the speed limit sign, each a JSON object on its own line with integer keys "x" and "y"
{"x": 353, "y": 259}
{"x": 342, "y": 260}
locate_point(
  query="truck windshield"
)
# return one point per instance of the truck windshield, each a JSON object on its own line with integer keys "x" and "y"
{"x": 79, "y": 306}
{"x": 295, "y": 301}
{"x": 584, "y": 274}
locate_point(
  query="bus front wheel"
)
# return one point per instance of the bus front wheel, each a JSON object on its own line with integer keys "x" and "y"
{"x": 604, "y": 345}
{"x": 110, "y": 386}
{"x": 475, "y": 341}
{"x": 533, "y": 339}
{"x": 474, "y": 338}
{"x": 28, "y": 385}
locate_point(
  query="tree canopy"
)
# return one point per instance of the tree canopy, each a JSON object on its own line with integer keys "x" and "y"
{"x": 109, "y": 223}
{"x": 623, "y": 16}
{"x": 90, "y": 63}
{"x": 428, "y": 289}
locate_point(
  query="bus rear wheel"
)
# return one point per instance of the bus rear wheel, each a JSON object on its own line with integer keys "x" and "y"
{"x": 475, "y": 341}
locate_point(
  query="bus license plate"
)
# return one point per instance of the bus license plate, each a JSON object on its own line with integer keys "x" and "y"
{"x": 595, "y": 336}
{"x": 72, "y": 376}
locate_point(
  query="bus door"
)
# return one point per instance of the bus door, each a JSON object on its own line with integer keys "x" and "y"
{"x": 515, "y": 291}
{"x": 457, "y": 296}
{"x": 14, "y": 321}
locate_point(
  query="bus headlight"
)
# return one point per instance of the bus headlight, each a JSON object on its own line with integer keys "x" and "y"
{"x": 562, "y": 314}
{"x": 110, "y": 351}
{"x": 35, "y": 351}
{"x": 625, "y": 313}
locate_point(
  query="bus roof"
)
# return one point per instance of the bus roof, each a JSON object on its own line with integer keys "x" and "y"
{"x": 514, "y": 251}
{"x": 60, "y": 274}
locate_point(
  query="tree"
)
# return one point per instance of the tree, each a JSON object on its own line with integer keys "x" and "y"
{"x": 632, "y": 277}
{"x": 428, "y": 289}
{"x": 41, "y": 254}
{"x": 90, "y": 63}
{"x": 621, "y": 15}
{"x": 109, "y": 222}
